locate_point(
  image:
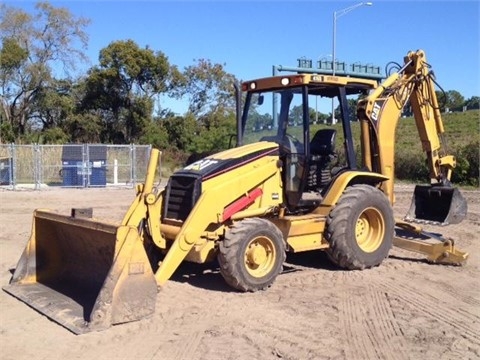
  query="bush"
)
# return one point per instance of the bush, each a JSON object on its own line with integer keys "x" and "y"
{"x": 468, "y": 164}
{"x": 172, "y": 160}
{"x": 411, "y": 166}
{"x": 7, "y": 134}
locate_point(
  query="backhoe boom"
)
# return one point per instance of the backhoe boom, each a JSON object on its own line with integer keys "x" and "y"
{"x": 379, "y": 114}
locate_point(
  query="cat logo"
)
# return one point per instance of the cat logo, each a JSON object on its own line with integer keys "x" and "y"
{"x": 201, "y": 164}
{"x": 376, "y": 111}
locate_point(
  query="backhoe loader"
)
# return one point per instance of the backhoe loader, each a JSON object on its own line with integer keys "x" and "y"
{"x": 281, "y": 189}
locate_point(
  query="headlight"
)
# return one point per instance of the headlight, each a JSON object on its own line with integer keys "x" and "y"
{"x": 285, "y": 81}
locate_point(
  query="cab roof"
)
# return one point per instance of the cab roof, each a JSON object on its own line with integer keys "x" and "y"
{"x": 323, "y": 85}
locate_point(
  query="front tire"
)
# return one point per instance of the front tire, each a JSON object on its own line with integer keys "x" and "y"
{"x": 251, "y": 254}
{"x": 360, "y": 228}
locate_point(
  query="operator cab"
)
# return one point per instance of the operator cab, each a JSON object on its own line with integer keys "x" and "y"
{"x": 284, "y": 110}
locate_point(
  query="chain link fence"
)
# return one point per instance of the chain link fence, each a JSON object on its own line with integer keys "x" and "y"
{"x": 84, "y": 165}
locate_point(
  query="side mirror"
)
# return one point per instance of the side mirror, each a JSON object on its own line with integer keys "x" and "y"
{"x": 260, "y": 99}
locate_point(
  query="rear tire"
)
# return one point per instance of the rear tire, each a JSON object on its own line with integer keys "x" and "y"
{"x": 360, "y": 228}
{"x": 251, "y": 254}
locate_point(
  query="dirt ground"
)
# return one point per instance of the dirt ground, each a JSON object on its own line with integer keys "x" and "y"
{"x": 403, "y": 309}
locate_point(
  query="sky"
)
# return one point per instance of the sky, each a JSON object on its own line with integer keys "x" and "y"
{"x": 250, "y": 37}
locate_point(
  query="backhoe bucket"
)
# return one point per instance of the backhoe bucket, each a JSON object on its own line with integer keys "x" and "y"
{"x": 439, "y": 205}
{"x": 83, "y": 274}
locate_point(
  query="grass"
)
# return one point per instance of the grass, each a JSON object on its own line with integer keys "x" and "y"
{"x": 460, "y": 130}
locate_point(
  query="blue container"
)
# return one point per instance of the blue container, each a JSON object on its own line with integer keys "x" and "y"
{"x": 97, "y": 167}
{"x": 72, "y": 165}
{"x": 80, "y": 170}
{"x": 98, "y": 173}
{"x": 5, "y": 171}
{"x": 73, "y": 173}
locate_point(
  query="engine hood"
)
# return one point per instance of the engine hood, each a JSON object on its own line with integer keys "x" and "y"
{"x": 227, "y": 160}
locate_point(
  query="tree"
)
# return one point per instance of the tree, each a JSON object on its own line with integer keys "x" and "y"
{"x": 208, "y": 87}
{"x": 451, "y": 100}
{"x": 32, "y": 46}
{"x": 473, "y": 103}
{"x": 53, "y": 105}
{"x": 122, "y": 89}
{"x": 141, "y": 71}
{"x": 455, "y": 100}
{"x": 352, "y": 109}
{"x": 441, "y": 99}
{"x": 85, "y": 127}
{"x": 317, "y": 117}
{"x": 257, "y": 122}
{"x": 156, "y": 135}
{"x": 295, "y": 117}
{"x": 182, "y": 132}
{"x": 215, "y": 133}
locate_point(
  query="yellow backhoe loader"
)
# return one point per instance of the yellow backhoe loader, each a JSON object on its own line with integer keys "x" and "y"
{"x": 279, "y": 190}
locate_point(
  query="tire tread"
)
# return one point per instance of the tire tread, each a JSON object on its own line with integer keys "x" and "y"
{"x": 341, "y": 251}
{"x": 230, "y": 251}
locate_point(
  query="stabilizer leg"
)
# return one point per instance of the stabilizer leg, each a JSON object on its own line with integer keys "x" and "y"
{"x": 439, "y": 250}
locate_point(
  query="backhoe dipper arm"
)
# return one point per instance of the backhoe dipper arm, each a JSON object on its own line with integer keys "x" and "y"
{"x": 379, "y": 114}
{"x": 437, "y": 203}
{"x": 428, "y": 119}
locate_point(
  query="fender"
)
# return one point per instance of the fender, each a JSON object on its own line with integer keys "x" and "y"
{"x": 339, "y": 184}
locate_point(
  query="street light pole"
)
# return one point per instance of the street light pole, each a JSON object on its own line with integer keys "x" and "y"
{"x": 336, "y": 15}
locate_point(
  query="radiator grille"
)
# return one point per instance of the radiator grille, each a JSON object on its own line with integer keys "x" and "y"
{"x": 182, "y": 194}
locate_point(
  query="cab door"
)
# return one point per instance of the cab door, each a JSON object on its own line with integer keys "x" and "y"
{"x": 294, "y": 134}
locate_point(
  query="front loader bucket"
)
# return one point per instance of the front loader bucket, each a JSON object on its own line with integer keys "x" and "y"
{"x": 83, "y": 274}
{"x": 437, "y": 205}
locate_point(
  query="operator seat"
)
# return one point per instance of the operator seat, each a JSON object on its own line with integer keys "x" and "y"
{"x": 322, "y": 153}
{"x": 323, "y": 142}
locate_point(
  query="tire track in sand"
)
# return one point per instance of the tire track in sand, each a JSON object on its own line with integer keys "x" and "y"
{"x": 182, "y": 345}
{"x": 370, "y": 326}
{"x": 435, "y": 308}
{"x": 456, "y": 295}
{"x": 190, "y": 344}
{"x": 189, "y": 332}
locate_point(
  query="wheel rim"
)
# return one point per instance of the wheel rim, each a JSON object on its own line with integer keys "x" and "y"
{"x": 260, "y": 256}
{"x": 369, "y": 230}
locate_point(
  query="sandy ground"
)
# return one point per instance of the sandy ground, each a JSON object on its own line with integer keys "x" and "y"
{"x": 403, "y": 309}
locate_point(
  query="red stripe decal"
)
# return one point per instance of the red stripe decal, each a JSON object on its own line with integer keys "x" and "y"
{"x": 241, "y": 203}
